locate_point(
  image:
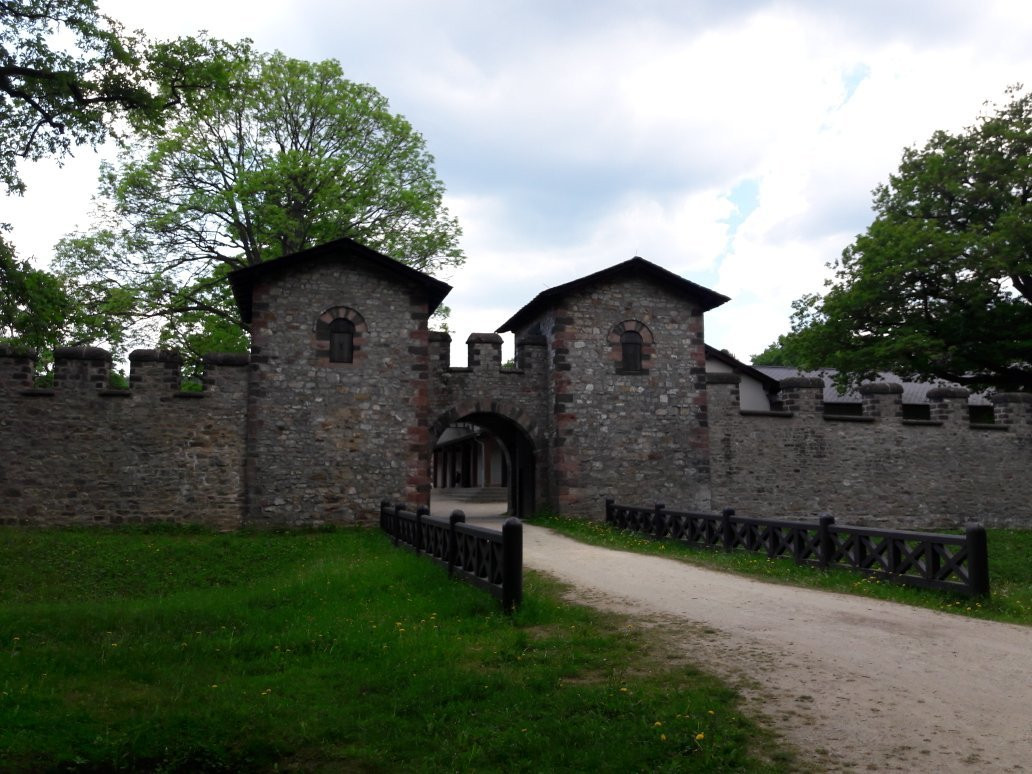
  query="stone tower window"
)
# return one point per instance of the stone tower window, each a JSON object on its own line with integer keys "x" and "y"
{"x": 341, "y": 335}
{"x": 630, "y": 351}
{"x": 631, "y": 347}
{"x": 342, "y": 341}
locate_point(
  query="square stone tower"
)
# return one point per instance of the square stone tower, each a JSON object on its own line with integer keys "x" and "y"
{"x": 338, "y": 389}
{"x": 626, "y": 386}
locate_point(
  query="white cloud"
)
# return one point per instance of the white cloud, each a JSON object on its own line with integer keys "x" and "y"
{"x": 574, "y": 136}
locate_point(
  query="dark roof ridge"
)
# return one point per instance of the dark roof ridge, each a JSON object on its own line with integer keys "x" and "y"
{"x": 741, "y": 368}
{"x": 242, "y": 280}
{"x": 709, "y": 299}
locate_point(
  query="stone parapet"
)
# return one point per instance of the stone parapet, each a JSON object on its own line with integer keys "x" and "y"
{"x": 81, "y": 368}
{"x": 16, "y": 369}
{"x": 440, "y": 351}
{"x": 226, "y": 372}
{"x": 532, "y": 353}
{"x": 949, "y": 405}
{"x": 882, "y": 400}
{"x": 154, "y": 371}
{"x": 485, "y": 350}
{"x": 1013, "y": 410}
{"x": 803, "y": 395}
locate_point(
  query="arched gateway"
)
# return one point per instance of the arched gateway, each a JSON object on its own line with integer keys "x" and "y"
{"x": 521, "y": 449}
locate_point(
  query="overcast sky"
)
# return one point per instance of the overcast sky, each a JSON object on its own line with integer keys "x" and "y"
{"x": 733, "y": 142}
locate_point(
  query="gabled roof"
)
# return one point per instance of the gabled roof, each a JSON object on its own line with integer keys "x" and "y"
{"x": 635, "y": 267}
{"x": 737, "y": 366}
{"x": 243, "y": 280}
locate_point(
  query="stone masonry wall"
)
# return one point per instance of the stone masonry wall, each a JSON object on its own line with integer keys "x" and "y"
{"x": 879, "y": 469}
{"x": 81, "y": 453}
{"x": 327, "y": 441}
{"x": 638, "y": 437}
{"x": 514, "y": 398}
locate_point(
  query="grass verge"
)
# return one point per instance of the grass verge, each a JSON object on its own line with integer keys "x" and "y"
{"x": 1010, "y": 570}
{"x": 184, "y": 650}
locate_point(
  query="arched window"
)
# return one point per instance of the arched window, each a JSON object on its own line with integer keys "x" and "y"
{"x": 630, "y": 350}
{"x": 342, "y": 341}
{"x": 341, "y": 335}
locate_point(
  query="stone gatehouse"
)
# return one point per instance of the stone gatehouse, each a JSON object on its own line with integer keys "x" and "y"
{"x": 346, "y": 391}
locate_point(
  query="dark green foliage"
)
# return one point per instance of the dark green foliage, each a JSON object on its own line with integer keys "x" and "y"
{"x": 290, "y": 154}
{"x": 940, "y": 284}
{"x": 54, "y": 97}
{"x": 181, "y": 650}
{"x": 38, "y": 312}
{"x": 773, "y": 355}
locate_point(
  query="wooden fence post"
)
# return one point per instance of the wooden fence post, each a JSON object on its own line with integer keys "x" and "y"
{"x": 725, "y": 527}
{"x": 453, "y": 541}
{"x": 658, "y": 521}
{"x": 978, "y": 559}
{"x": 512, "y": 564}
{"x": 827, "y": 548}
{"x": 385, "y": 510}
{"x": 421, "y": 512}
{"x": 398, "y": 508}
{"x": 609, "y": 510}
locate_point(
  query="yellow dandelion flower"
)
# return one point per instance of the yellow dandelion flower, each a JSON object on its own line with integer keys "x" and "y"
{"x": 700, "y": 736}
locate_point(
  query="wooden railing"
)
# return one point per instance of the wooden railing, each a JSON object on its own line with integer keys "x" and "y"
{"x": 957, "y": 563}
{"x": 486, "y": 558}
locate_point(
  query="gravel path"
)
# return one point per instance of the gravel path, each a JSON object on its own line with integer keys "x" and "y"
{"x": 853, "y": 683}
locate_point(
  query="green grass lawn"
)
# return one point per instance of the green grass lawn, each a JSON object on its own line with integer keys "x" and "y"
{"x": 185, "y": 650}
{"x": 1010, "y": 569}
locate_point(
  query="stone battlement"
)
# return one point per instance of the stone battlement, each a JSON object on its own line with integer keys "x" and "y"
{"x": 802, "y": 400}
{"x": 83, "y": 453}
{"x": 485, "y": 353}
{"x": 346, "y": 394}
{"x": 80, "y": 371}
{"x": 876, "y": 468}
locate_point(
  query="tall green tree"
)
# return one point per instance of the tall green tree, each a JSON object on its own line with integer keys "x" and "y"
{"x": 290, "y": 155}
{"x": 69, "y": 72}
{"x": 774, "y": 355}
{"x": 40, "y": 311}
{"x": 940, "y": 284}
{"x": 72, "y": 76}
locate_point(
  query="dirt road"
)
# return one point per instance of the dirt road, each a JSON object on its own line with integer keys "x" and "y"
{"x": 854, "y": 683}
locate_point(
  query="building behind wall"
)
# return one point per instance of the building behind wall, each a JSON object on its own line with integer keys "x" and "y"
{"x": 614, "y": 393}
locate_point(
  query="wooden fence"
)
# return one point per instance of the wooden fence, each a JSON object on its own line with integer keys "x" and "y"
{"x": 957, "y": 563}
{"x": 485, "y": 558}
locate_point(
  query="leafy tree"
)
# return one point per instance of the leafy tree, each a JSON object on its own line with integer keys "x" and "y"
{"x": 290, "y": 155}
{"x": 774, "y": 355}
{"x": 53, "y": 98}
{"x": 39, "y": 311}
{"x": 940, "y": 284}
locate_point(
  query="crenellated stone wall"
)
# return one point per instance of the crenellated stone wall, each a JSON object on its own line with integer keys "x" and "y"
{"x": 81, "y": 453}
{"x": 313, "y": 428}
{"x": 876, "y": 469}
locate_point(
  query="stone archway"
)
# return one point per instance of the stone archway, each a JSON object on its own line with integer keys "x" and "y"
{"x": 517, "y": 436}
